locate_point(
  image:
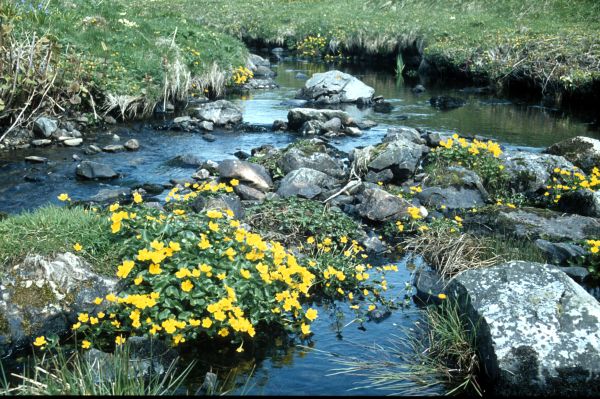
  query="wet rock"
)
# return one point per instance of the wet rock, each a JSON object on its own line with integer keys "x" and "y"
{"x": 428, "y": 284}
{"x": 581, "y": 151}
{"x": 263, "y": 72}
{"x": 538, "y": 330}
{"x": 206, "y": 126}
{"x": 581, "y": 202}
{"x": 92, "y": 149}
{"x": 385, "y": 176}
{"x": 446, "y": 102}
{"x": 113, "y": 148}
{"x": 132, "y": 145}
{"x": 366, "y": 124}
{"x": 254, "y": 175}
{"x": 95, "y": 170}
{"x": 460, "y": 178}
{"x": 374, "y": 244}
{"x": 306, "y": 183}
{"x": 335, "y": 87}
{"x": 36, "y": 159}
{"x": 298, "y": 116}
{"x": 150, "y": 357}
{"x": 532, "y": 223}
{"x": 41, "y": 142}
{"x": 260, "y": 84}
{"x": 401, "y": 156}
{"x": 332, "y": 125}
{"x": 42, "y": 295}
{"x": 559, "y": 253}
{"x": 353, "y": 131}
{"x": 451, "y": 197}
{"x": 150, "y": 188}
{"x": 73, "y": 142}
{"x": 241, "y": 155}
{"x": 221, "y": 112}
{"x": 529, "y": 171}
{"x": 209, "y": 137}
{"x": 383, "y": 107}
{"x": 110, "y": 120}
{"x": 434, "y": 138}
{"x": 579, "y": 274}
{"x": 186, "y": 160}
{"x": 418, "y": 89}
{"x": 380, "y": 206}
{"x": 201, "y": 174}
{"x": 257, "y": 61}
{"x": 44, "y": 127}
{"x": 295, "y": 158}
{"x": 249, "y": 193}
{"x": 311, "y": 128}
{"x": 403, "y": 133}
{"x": 107, "y": 195}
{"x": 301, "y": 76}
{"x": 279, "y": 125}
{"x": 378, "y": 315}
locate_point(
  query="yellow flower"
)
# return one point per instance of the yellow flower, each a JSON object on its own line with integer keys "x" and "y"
{"x": 442, "y": 296}
{"x": 310, "y": 240}
{"x": 101, "y": 315}
{"x": 124, "y": 269}
{"x": 458, "y": 219}
{"x": 93, "y": 320}
{"x": 245, "y": 273}
{"x": 83, "y": 317}
{"x": 594, "y": 250}
{"x": 40, "y": 341}
{"x": 120, "y": 340}
{"x": 223, "y": 332}
{"x": 138, "y": 280}
{"x": 114, "y": 207}
{"x": 177, "y": 339}
{"x": 86, "y": 344}
{"x": 154, "y": 269}
{"x": 206, "y": 322}
{"x": 234, "y": 182}
{"x": 64, "y": 197}
{"x": 414, "y": 212}
{"x": 240, "y": 349}
{"x": 77, "y": 247}
{"x": 213, "y": 226}
{"x": 137, "y": 198}
{"x": 98, "y": 301}
{"x": 311, "y": 314}
{"x": 187, "y": 286}
{"x": 305, "y": 329}
{"x": 75, "y": 326}
{"x": 372, "y": 307}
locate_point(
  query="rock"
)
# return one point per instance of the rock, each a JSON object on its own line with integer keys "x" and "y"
{"x": 206, "y": 125}
{"x": 263, "y": 72}
{"x": 260, "y": 84}
{"x": 221, "y": 112}
{"x": 257, "y": 60}
{"x": 41, "y": 142}
{"x": 132, "y": 145}
{"x": 298, "y": 116}
{"x": 220, "y": 202}
{"x": 428, "y": 284}
{"x": 310, "y": 128}
{"x": 295, "y": 158}
{"x": 403, "y": 133}
{"x": 332, "y": 125}
{"x": 76, "y": 134}
{"x": 116, "y": 138}
{"x": 581, "y": 202}
{"x": 532, "y": 223}
{"x": 451, "y": 197}
{"x": 306, "y": 183}
{"x": 150, "y": 357}
{"x": 73, "y": 142}
{"x": 301, "y": 76}
{"x": 44, "y": 127}
{"x": 42, "y": 295}
{"x": 380, "y": 206}
{"x": 95, "y": 170}
{"x": 385, "y": 176}
{"x": 335, "y": 87}
{"x": 36, "y": 159}
{"x": 538, "y": 330}
{"x": 353, "y": 131}
{"x": 434, "y": 138}
{"x": 559, "y": 253}
{"x": 374, "y": 244}
{"x": 446, "y": 102}
{"x": 186, "y": 160}
{"x": 110, "y": 120}
{"x": 579, "y": 274}
{"x": 113, "y": 148}
{"x": 182, "y": 119}
{"x": 242, "y": 155}
{"x": 418, "y": 89}
{"x": 249, "y": 193}
{"x": 150, "y": 188}
{"x": 209, "y": 137}
{"x": 201, "y": 174}
{"x": 383, "y": 107}
{"x": 529, "y": 172}
{"x": 279, "y": 125}
{"x": 365, "y": 124}
{"x": 581, "y": 151}
{"x": 401, "y": 156}
{"x": 459, "y": 177}
{"x": 254, "y": 175}
{"x": 111, "y": 195}
{"x": 92, "y": 149}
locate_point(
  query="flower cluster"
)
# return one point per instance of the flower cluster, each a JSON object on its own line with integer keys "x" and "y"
{"x": 563, "y": 180}
{"x": 241, "y": 75}
{"x": 312, "y": 46}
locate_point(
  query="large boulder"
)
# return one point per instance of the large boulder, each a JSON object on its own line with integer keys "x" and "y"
{"x": 581, "y": 151}
{"x": 335, "y": 87}
{"x": 533, "y": 223}
{"x": 451, "y": 197}
{"x": 42, "y": 295}
{"x": 403, "y": 133}
{"x": 44, "y": 127}
{"x": 401, "y": 156}
{"x": 538, "y": 332}
{"x": 295, "y": 158}
{"x": 581, "y": 202}
{"x": 94, "y": 170}
{"x": 252, "y": 174}
{"x": 378, "y": 205}
{"x": 306, "y": 183}
{"x": 298, "y": 116}
{"x": 221, "y": 112}
{"x": 530, "y": 171}
{"x": 559, "y": 253}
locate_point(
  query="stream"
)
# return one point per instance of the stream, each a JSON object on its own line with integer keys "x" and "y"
{"x": 290, "y": 370}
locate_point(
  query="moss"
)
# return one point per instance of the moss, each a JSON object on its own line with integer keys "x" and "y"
{"x": 34, "y": 296}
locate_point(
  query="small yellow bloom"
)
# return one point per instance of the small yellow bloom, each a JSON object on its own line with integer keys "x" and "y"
{"x": 206, "y": 322}
{"x": 83, "y": 317}
{"x": 77, "y": 247}
{"x": 86, "y": 344}
{"x": 40, "y": 341}
{"x": 75, "y": 326}
{"x": 442, "y": 296}
{"x": 187, "y": 286}
{"x": 120, "y": 340}
{"x": 311, "y": 314}
{"x": 305, "y": 329}
{"x": 234, "y": 182}
{"x": 98, "y": 301}
{"x": 137, "y": 198}
{"x": 64, "y": 197}
{"x": 138, "y": 280}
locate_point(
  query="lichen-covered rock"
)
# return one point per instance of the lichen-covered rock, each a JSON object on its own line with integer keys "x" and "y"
{"x": 582, "y": 151}
{"x": 451, "y": 197}
{"x": 221, "y": 112}
{"x": 334, "y": 87}
{"x": 538, "y": 332}
{"x": 530, "y": 171}
{"x": 380, "y": 206}
{"x": 306, "y": 183}
{"x": 401, "y": 156}
{"x": 253, "y": 174}
{"x": 42, "y": 295}
{"x": 298, "y": 116}
{"x": 533, "y": 223}
{"x": 95, "y": 170}
{"x": 403, "y": 133}
{"x": 295, "y": 158}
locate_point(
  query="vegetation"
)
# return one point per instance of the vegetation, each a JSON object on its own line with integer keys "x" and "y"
{"x": 59, "y": 371}
{"x": 50, "y": 230}
{"x": 270, "y": 159}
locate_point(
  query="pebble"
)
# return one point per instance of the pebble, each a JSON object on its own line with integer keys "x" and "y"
{"x": 35, "y": 159}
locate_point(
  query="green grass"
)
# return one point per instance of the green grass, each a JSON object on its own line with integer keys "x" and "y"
{"x": 508, "y": 248}
{"x": 553, "y": 42}
{"x": 50, "y": 230}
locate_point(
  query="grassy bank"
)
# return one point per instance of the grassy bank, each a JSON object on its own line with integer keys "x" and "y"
{"x": 553, "y": 44}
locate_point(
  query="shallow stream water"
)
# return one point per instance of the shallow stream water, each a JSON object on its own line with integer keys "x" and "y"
{"x": 299, "y": 370}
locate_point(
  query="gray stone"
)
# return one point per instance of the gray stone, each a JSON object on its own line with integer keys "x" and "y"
{"x": 257, "y": 60}
{"x": 221, "y": 112}
{"x": 92, "y": 149}
{"x": 95, "y": 170}
{"x": 249, "y": 193}
{"x": 538, "y": 330}
{"x": 429, "y": 284}
{"x": 106, "y": 195}
{"x": 385, "y": 176}
{"x": 41, "y": 142}
{"x": 559, "y": 253}
{"x": 73, "y": 142}
{"x": 298, "y": 116}
{"x": 44, "y": 127}
{"x": 374, "y": 244}
{"x": 36, "y": 159}
{"x": 206, "y": 125}
{"x": 113, "y": 148}
{"x": 401, "y": 156}
{"x": 279, "y": 125}
{"x": 295, "y": 158}
{"x": 353, "y": 131}
{"x": 446, "y": 102}
{"x": 201, "y": 174}
{"x": 365, "y": 124}
{"x": 332, "y": 125}
{"x": 344, "y": 88}
{"x": 209, "y": 137}
{"x": 186, "y": 160}
{"x": 529, "y": 171}
{"x": 579, "y": 274}
{"x": 451, "y": 197}
{"x": 263, "y": 72}
{"x": 132, "y": 145}
{"x": 581, "y": 151}
{"x": 182, "y": 119}
{"x": 311, "y": 128}
{"x": 403, "y": 133}
{"x": 301, "y": 76}
{"x": 581, "y": 202}
{"x": 253, "y": 174}
{"x": 306, "y": 183}
{"x": 380, "y": 206}
{"x": 260, "y": 84}
{"x": 220, "y": 202}
{"x": 383, "y": 107}
{"x": 42, "y": 294}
